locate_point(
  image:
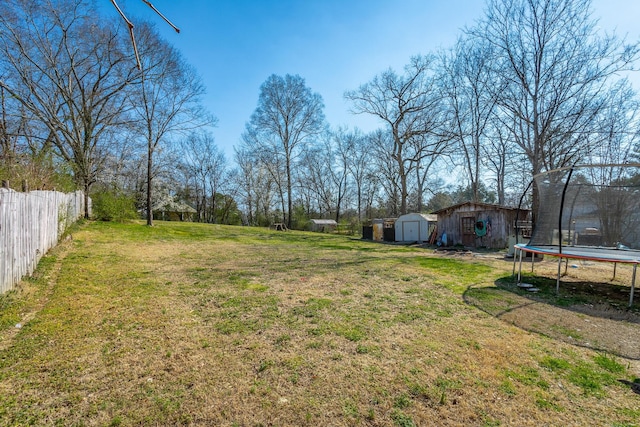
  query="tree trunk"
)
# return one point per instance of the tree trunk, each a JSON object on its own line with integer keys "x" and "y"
{"x": 359, "y": 203}
{"x": 403, "y": 190}
{"x": 149, "y": 178}
{"x": 289, "y": 194}
{"x": 420, "y": 183}
{"x": 284, "y": 213}
{"x": 87, "y": 187}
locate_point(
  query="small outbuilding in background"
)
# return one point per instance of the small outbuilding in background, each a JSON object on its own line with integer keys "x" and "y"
{"x": 169, "y": 209}
{"x": 379, "y": 229}
{"x": 479, "y": 225}
{"x": 415, "y": 227}
{"x": 323, "y": 225}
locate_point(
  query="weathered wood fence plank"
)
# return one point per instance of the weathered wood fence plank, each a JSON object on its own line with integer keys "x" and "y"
{"x": 31, "y": 224}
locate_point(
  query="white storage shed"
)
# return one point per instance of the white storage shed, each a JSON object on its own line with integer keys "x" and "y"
{"x": 415, "y": 227}
{"x": 323, "y": 225}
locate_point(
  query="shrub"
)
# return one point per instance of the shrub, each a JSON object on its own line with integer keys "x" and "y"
{"x": 113, "y": 205}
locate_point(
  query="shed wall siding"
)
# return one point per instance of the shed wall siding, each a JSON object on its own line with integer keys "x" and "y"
{"x": 496, "y": 238}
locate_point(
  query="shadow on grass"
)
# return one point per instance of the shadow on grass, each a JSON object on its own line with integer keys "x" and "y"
{"x": 601, "y": 299}
{"x": 633, "y": 385}
{"x": 592, "y": 315}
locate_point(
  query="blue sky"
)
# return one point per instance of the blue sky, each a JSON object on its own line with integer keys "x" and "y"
{"x": 335, "y": 45}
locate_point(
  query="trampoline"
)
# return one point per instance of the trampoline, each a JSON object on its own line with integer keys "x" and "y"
{"x": 587, "y": 212}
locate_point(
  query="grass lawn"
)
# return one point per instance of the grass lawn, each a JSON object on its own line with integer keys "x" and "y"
{"x": 192, "y": 324}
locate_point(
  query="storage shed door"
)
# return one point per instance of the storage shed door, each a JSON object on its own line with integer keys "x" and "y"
{"x": 468, "y": 231}
{"x": 411, "y": 231}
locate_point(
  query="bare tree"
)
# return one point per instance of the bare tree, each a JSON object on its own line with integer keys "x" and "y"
{"x": 124, "y": 164}
{"x": 618, "y": 127}
{"x": 68, "y": 69}
{"x": 432, "y": 151}
{"x": 25, "y": 152}
{"x": 15, "y": 130}
{"x": 339, "y": 155}
{"x": 245, "y": 182}
{"x": 255, "y": 186}
{"x": 360, "y": 166}
{"x": 499, "y": 158}
{"x": 324, "y": 174}
{"x": 207, "y": 166}
{"x": 167, "y": 102}
{"x": 265, "y": 152}
{"x": 471, "y": 97}
{"x": 388, "y": 177}
{"x": 410, "y": 105}
{"x": 553, "y": 69}
{"x": 316, "y": 179}
{"x": 288, "y": 116}
{"x": 8, "y": 145}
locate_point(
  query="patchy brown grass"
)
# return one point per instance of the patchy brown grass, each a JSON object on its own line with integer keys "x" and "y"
{"x": 187, "y": 324}
{"x": 590, "y": 310}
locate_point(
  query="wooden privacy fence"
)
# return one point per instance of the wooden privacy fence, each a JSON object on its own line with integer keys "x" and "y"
{"x": 31, "y": 224}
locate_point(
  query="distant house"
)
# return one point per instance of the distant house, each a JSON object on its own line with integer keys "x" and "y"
{"x": 415, "y": 227}
{"x": 479, "y": 225}
{"x": 323, "y": 225}
{"x": 169, "y": 209}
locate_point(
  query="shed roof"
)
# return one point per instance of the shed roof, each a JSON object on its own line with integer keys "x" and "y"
{"x": 324, "y": 222}
{"x": 415, "y": 216}
{"x": 169, "y": 204}
{"x": 480, "y": 205}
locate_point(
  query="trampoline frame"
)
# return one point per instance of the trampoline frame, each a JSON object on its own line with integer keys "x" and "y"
{"x": 576, "y": 252}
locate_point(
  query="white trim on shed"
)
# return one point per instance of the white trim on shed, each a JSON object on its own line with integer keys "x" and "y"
{"x": 415, "y": 227}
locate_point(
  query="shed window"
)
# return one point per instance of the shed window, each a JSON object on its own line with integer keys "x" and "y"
{"x": 468, "y": 224}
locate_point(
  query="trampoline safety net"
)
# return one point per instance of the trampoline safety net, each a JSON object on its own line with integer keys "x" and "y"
{"x": 590, "y": 206}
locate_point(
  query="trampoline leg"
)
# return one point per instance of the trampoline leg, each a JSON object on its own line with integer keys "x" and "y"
{"x": 633, "y": 284}
{"x": 515, "y": 257}
{"x": 533, "y": 259}
{"x": 558, "y": 280}
{"x": 520, "y": 267}
{"x": 615, "y": 265}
